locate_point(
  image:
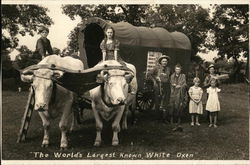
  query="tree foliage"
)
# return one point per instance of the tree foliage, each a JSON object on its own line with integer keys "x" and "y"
{"x": 25, "y": 57}
{"x": 192, "y": 20}
{"x": 21, "y": 19}
{"x": 56, "y": 51}
{"x": 231, "y": 29}
{"x": 134, "y": 14}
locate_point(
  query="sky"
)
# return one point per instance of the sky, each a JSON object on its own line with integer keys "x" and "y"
{"x": 62, "y": 27}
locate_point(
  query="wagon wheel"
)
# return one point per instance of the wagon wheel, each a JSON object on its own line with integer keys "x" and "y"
{"x": 144, "y": 100}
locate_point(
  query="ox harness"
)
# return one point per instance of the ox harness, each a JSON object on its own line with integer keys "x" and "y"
{"x": 54, "y": 87}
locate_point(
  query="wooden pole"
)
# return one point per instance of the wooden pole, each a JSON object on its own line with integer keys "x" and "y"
{"x": 26, "y": 117}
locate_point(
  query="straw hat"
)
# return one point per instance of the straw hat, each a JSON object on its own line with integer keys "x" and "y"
{"x": 162, "y": 57}
{"x": 210, "y": 66}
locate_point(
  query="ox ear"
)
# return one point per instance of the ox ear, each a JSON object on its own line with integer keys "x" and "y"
{"x": 57, "y": 74}
{"x": 27, "y": 78}
{"x": 129, "y": 77}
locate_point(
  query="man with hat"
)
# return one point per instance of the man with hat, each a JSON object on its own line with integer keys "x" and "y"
{"x": 161, "y": 77}
{"x": 212, "y": 75}
{"x": 43, "y": 46}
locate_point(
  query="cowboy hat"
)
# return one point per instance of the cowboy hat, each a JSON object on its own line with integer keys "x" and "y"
{"x": 210, "y": 66}
{"x": 162, "y": 57}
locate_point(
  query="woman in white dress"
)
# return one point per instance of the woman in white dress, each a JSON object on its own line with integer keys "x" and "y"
{"x": 213, "y": 103}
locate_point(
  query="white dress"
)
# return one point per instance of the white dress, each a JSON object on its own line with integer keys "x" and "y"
{"x": 195, "y": 93}
{"x": 213, "y": 103}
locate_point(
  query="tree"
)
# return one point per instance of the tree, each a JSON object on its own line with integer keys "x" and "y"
{"x": 192, "y": 20}
{"x": 231, "y": 31}
{"x": 25, "y": 58}
{"x": 56, "y": 51}
{"x": 21, "y": 19}
{"x": 134, "y": 14}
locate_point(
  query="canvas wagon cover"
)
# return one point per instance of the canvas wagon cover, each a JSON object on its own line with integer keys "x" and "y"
{"x": 128, "y": 34}
{"x": 137, "y": 44}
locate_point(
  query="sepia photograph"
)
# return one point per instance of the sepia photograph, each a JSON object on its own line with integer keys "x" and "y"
{"x": 116, "y": 82}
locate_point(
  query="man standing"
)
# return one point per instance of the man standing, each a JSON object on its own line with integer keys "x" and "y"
{"x": 161, "y": 78}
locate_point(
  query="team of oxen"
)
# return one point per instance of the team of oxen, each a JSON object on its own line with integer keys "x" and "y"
{"x": 110, "y": 100}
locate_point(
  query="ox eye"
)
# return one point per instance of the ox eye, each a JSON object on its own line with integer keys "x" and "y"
{"x": 110, "y": 83}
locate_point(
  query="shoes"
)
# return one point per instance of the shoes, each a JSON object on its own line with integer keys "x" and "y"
{"x": 192, "y": 124}
{"x": 215, "y": 126}
{"x": 210, "y": 125}
{"x": 198, "y": 124}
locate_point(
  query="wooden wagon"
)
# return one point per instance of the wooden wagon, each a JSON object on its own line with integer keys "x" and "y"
{"x": 140, "y": 46}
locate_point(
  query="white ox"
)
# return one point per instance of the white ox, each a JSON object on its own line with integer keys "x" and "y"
{"x": 51, "y": 99}
{"x": 112, "y": 99}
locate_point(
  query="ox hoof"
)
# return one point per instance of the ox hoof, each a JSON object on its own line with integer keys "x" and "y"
{"x": 97, "y": 143}
{"x": 115, "y": 143}
{"x": 44, "y": 145}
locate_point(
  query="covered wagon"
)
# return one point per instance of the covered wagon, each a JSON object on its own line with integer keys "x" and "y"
{"x": 140, "y": 46}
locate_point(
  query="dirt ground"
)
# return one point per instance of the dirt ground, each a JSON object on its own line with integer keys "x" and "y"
{"x": 147, "y": 139}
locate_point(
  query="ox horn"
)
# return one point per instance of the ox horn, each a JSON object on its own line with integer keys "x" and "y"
{"x": 30, "y": 69}
{"x": 102, "y": 77}
{"x": 57, "y": 74}
{"x": 27, "y": 76}
{"x": 27, "y": 72}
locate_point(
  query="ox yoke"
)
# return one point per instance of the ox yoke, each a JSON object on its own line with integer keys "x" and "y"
{"x": 78, "y": 81}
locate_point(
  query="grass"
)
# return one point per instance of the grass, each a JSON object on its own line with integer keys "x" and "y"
{"x": 230, "y": 141}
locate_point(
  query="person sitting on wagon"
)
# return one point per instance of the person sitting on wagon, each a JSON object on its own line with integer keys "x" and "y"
{"x": 160, "y": 74}
{"x": 43, "y": 46}
{"x": 178, "y": 96}
{"x": 110, "y": 46}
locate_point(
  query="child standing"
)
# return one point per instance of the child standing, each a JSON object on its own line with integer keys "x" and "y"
{"x": 213, "y": 104}
{"x": 195, "y": 104}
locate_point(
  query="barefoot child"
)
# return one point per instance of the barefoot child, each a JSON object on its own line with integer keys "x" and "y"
{"x": 195, "y": 104}
{"x": 213, "y": 104}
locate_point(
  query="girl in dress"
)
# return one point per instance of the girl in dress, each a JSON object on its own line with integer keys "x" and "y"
{"x": 110, "y": 46}
{"x": 213, "y": 104}
{"x": 195, "y": 104}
